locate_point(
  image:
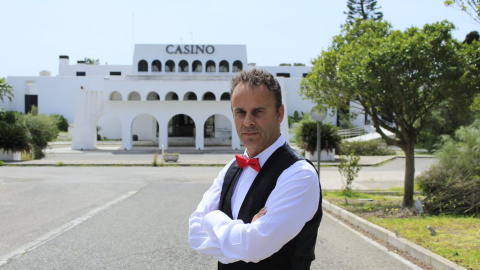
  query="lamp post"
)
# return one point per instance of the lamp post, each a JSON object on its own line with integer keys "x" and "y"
{"x": 319, "y": 116}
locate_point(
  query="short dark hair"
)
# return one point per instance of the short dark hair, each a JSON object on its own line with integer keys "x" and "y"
{"x": 259, "y": 77}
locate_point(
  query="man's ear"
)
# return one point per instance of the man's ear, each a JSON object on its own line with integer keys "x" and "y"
{"x": 280, "y": 114}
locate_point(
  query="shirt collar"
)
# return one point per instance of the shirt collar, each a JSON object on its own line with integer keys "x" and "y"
{"x": 265, "y": 154}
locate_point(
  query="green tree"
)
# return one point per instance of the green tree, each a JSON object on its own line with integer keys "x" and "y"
{"x": 363, "y": 10}
{"x": 399, "y": 75}
{"x": 5, "y": 90}
{"x": 471, "y": 7}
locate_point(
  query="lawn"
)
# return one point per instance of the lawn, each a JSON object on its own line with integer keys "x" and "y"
{"x": 457, "y": 238}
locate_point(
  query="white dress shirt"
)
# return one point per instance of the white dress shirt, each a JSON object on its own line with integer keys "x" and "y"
{"x": 292, "y": 203}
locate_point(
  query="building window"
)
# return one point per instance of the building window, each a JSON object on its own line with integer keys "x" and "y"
{"x": 223, "y": 66}
{"x": 190, "y": 96}
{"x": 153, "y": 96}
{"x": 286, "y": 75}
{"x": 156, "y": 66}
{"x": 81, "y": 73}
{"x": 225, "y": 96}
{"x": 170, "y": 66}
{"x": 209, "y": 96}
{"x": 237, "y": 66}
{"x": 30, "y": 100}
{"x": 142, "y": 66}
{"x": 115, "y": 96}
{"x": 115, "y": 73}
{"x": 211, "y": 66}
{"x": 171, "y": 96}
{"x": 183, "y": 66}
{"x": 134, "y": 96}
{"x": 197, "y": 66}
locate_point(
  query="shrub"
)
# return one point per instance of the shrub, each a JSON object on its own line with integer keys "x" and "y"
{"x": 14, "y": 138}
{"x": 306, "y": 135}
{"x": 60, "y": 121}
{"x": 42, "y": 129}
{"x": 453, "y": 186}
{"x": 366, "y": 148}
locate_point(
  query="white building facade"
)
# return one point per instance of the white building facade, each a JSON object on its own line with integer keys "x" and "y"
{"x": 171, "y": 95}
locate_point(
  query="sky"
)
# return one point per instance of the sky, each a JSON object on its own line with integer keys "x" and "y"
{"x": 35, "y": 32}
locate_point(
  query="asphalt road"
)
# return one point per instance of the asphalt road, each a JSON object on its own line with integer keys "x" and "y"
{"x": 132, "y": 218}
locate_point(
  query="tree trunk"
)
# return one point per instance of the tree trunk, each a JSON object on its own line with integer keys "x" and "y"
{"x": 409, "y": 175}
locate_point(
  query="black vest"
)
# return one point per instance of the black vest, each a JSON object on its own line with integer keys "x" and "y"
{"x": 299, "y": 252}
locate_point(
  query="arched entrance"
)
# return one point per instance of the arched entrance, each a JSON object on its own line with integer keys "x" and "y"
{"x": 145, "y": 131}
{"x": 109, "y": 132}
{"x": 181, "y": 131}
{"x": 218, "y": 131}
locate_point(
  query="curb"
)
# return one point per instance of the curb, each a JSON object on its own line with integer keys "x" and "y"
{"x": 424, "y": 255}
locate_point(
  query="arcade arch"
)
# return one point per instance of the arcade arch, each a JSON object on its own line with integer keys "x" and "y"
{"x": 225, "y": 96}
{"x": 217, "y": 131}
{"x": 223, "y": 66}
{"x": 190, "y": 96}
{"x": 197, "y": 66}
{"x": 156, "y": 66}
{"x": 153, "y": 96}
{"x": 209, "y": 96}
{"x": 115, "y": 95}
{"x": 170, "y": 66}
{"x": 210, "y": 66}
{"x": 134, "y": 96}
{"x": 237, "y": 66}
{"x": 108, "y": 127}
{"x": 183, "y": 66}
{"x": 171, "y": 96}
{"x": 145, "y": 130}
{"x": 143, "y": 66}
{"x": 181, "y": 131}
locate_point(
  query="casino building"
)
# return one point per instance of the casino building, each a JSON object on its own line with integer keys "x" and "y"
{"x": 171, "y": 95}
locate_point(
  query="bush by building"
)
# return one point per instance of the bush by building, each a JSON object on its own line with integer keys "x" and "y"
{"x": 365, "y": 148}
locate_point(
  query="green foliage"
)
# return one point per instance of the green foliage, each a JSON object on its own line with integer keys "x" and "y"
{"x": 5, "y": 90}
{"x": 1, "y": 163}
{"x": 365, "y": 148}
{"x": 349, "y": 169}
{"x": 306, "y": 135}
{"x": 14, "y": 138}
{"x": 298, "y": 64}
{"x": 91, "y": 61}
{"x": 453, "y": 186}
{"x": 42, "y": 129}
{"x": 9, "y": 117}
{"x": 390, "y": 74}
{"x": 34, "y": 110}
{"x": 362, "y": 10}
{"x": 60, "y": 121}
{"x": 285, "y": 64}
{"x": 471, "y": 7}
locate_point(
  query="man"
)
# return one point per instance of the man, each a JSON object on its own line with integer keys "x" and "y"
{"x": 261, "y": 215}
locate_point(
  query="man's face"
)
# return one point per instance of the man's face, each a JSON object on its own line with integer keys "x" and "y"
{"x": 256, "y": 119}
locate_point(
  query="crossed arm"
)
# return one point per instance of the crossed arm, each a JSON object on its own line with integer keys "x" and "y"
{"x": 291, "y": 204}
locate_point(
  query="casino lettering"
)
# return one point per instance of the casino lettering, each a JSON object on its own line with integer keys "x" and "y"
{"x": 190, "y": 49}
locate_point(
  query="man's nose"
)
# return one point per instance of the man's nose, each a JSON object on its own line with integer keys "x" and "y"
{"x": 249, "y": 120}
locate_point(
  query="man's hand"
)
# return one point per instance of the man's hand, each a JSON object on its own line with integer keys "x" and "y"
{"x": 260, "y": 214}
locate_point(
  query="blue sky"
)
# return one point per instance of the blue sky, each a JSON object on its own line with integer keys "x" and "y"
{"x": 35, "y": 32}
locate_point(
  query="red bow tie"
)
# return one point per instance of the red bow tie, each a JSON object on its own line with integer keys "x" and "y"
{"x": 244, "y": 162}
